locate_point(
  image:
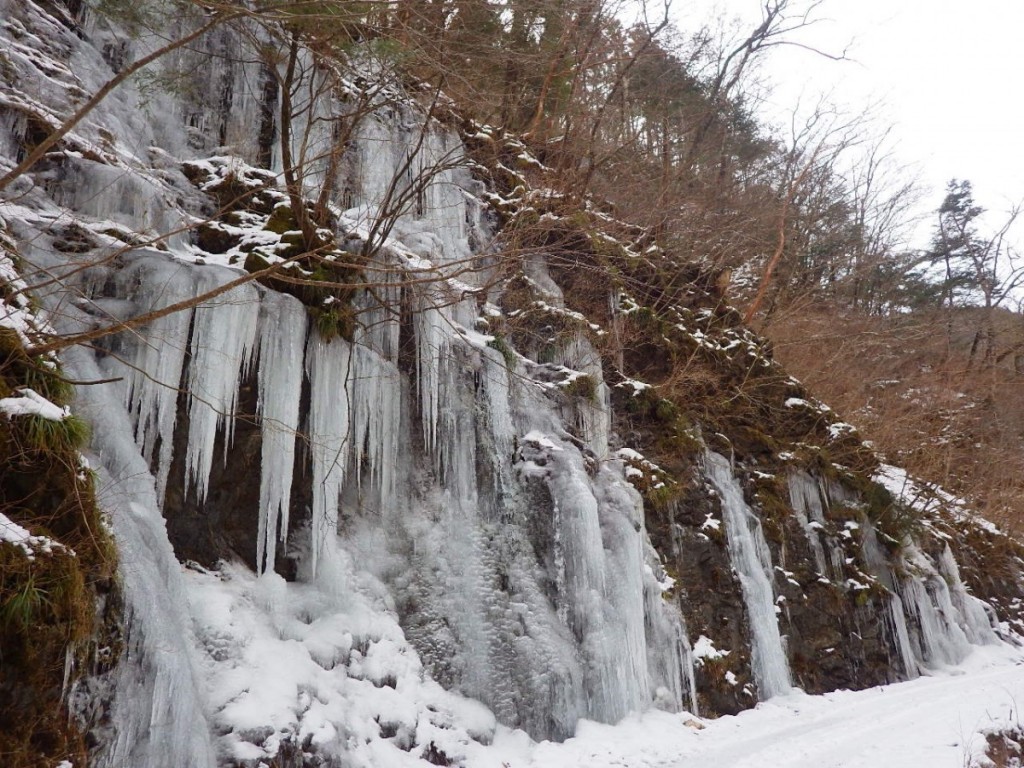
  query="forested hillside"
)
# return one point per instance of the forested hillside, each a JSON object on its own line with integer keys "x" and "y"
{"x": 805, "y": 226}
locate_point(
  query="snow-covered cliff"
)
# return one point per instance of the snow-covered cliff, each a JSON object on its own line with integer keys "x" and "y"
{"x": 374, "y": 505}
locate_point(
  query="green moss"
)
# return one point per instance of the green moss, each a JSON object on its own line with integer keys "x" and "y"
{"x": 634, "y": 406}
{"x": 291, "y": 248}
{"x": 256, "y": 262}
{"x": 48, "y": 601}
{"x": 774, "y": 530}
{"x": 603, "y": 247}
{"x": 772, "y": 504}
{"x": 662, "y": 495}
{"x": 334, "y": 321}
{"x": 580, "y": 221}
{"x": 680, "y": 441}
{"x": 666, "y": 410}
{"x": 646, "y": 318}
{"x": 898, "y": 524}
{"x": 581, "y": 386}
{"x": 861, "y": 597}
{"x": 877, "y": 499}
{"x": 327, "y": 290}
{"x": 500, "y": 343}
{"x": 750, "y": 440}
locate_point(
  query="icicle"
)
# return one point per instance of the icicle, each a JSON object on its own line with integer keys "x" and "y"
{"x": 155, "y": 374}
{"x": 808, "y": 501}
{"x": 601, "y": 596}
{"x": 669, "y": 655}
{"x": 752, "y": 561}
{"x": 379, "y": 324}
{"x": 501, "y": 431}
{"x": 879, "y": 567}
{"x": 329, "y": 369}
{"x": 108, "y": 193}
{"x": 432, "y": 339}
{"x": 930, "y": 611}
{"x": 223, "y": 338}
{"x": 592, "y": 416}
{"x": 898, "y": 623}
{"x": 376, "y": 390}
{"x": 974, "y": 619}
{"x": 282, "y": 341}
{"x": 626, "y": 675}
{"x": 444, "y": 204}
{"x": 941, "y": 642}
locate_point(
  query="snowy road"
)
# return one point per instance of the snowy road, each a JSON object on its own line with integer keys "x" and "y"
{"x": 929, "y": 722}
{"x": 932, "y": 722}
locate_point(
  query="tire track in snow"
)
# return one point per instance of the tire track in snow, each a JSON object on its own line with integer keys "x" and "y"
{"x": 929, "y": 722}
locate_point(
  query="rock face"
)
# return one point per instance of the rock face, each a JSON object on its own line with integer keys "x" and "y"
{"x": 424, "y": 485}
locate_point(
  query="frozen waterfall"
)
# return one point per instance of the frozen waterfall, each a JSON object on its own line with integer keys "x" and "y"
{"x": 433, "y": 537}
{"x": 752, "y": 561}
{"x": 158, "y": 714}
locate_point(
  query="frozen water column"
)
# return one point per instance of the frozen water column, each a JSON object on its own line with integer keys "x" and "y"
{"x": 751, "y": 559}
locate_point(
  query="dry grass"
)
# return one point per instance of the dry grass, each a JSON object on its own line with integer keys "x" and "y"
{"x": 909, "y": 384}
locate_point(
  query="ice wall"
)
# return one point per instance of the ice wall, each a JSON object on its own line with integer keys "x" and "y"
{"x": 932, "y": 620}
{"x": 465, "y": 523}
{"x": 158, "y": 713}
{"x": 499, "y": 535}
{"x": 527, "y": 553}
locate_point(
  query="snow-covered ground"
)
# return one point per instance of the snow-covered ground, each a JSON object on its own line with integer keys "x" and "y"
{"x": 931, "y": 722}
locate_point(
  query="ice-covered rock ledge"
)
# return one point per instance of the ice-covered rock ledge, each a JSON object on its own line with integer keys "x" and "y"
{"x": 363, "y": 524}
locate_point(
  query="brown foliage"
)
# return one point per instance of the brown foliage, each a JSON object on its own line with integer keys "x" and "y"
{"x": 912, "y": 391}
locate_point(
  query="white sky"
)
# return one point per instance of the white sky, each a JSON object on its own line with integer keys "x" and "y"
{"x": 948, "y": 73}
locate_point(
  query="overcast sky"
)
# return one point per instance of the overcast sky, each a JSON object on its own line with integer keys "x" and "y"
{"x": 949, "y": 75}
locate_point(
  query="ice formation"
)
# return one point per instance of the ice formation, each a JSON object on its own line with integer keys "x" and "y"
{"x": 504, "y": 541}
{"x": 220, "y": 351}
{"x": 944, "y": 631}
{"x": 464, "y": 531}
{"x": 153, "y": 380}
{"x": 282, "y": 335}
{"x": 581, "y": 632}
{"x": 809, "y": 497}
{"x": 752, "y": 561}
{"x": 158, "y": 717}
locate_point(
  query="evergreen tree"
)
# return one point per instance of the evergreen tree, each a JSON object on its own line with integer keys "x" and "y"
{"x": 956, "y": 252}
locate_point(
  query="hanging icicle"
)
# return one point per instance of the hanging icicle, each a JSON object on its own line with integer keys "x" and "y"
{"x": 330, "y": 371}
{"x": 282, "y": 341}
{"x": 223, "y": 339}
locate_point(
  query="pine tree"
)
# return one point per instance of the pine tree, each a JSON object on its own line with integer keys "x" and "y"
{"x": 956, "y": 250}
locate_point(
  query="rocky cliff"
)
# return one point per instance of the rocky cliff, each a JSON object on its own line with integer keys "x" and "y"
{"x": 469, "y": 454}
